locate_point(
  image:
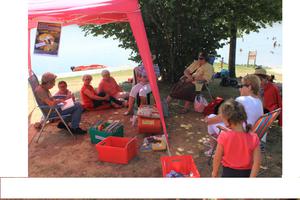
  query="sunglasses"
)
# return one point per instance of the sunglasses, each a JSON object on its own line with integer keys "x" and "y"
{"x": 242, "y": 85}
{"x": 201, "y": 58}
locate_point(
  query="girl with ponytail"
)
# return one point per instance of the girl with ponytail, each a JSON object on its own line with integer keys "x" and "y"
{"x": 238, "y": 150}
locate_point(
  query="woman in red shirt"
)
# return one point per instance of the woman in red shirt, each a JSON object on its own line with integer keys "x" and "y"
{"x": 269, "y": 93}
{"x": 237, "y": 150}
{"x": 90, "y": 99}
{"x": 109, "y": 85}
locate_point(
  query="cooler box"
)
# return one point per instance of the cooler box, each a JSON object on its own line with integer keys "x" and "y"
{"x": 182, "y": 164}
{"x": 149, "y": 125}
{"x": 99, "y": 135}
{"x": 117, "y": 149}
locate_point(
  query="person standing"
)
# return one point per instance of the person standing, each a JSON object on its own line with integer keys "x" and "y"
{"x": 238, "y": 150}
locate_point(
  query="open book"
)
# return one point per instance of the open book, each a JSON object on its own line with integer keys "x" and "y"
{"x": 68, "y": 104}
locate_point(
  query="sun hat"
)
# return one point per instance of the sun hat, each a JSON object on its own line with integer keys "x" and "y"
{"x": 261, "y": 72}
{"x": 48, "y": 77}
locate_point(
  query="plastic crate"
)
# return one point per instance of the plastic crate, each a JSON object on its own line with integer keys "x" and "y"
{"x": 97, "y": 135}
{"x": 149, "y": 125}
{"x": 117, "y": 149}
{"x": 183, "y": 164}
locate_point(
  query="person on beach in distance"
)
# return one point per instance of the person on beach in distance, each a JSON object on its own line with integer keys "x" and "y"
{"x": 63, "y": 91}
{"x": 190, "y": 83}
{"x": 249, "y": 98}
{"x": 44, "y": 95}
{"x": 237, "y": 149}
{"x": 109, "y": 86}
{"x": 91, "y": 100}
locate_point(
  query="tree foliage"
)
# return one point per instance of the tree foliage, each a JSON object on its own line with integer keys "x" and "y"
{"x": 178, "y": 29}
{"x": 243, "y": 16}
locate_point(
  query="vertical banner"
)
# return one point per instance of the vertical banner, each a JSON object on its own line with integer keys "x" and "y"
{"x": 47, "y": 38}
{"x": 251, "y": 58}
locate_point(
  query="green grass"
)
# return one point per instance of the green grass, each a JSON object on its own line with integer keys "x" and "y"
{"x": 242, "y": 70}
{"x": 75, "y": 84}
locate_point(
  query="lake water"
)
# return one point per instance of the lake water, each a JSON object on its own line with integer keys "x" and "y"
{"x": 76, "y": 49}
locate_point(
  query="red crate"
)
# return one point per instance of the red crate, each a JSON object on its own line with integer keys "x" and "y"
{"x": 149, "y": 125}
{"x": 183, "y": 164}
{"x": 116, "y": 149}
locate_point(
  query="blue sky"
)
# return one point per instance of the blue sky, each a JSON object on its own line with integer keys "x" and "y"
{"x": 76, "y": 49}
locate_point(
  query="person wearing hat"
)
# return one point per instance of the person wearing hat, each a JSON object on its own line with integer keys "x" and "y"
{"x": 189, "y": 84}
{"x": 44, "y": 96}
{"x": 269, "y": 93}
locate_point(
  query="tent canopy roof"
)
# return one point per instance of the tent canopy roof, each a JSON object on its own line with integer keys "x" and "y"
{"x": 80, "y": 12}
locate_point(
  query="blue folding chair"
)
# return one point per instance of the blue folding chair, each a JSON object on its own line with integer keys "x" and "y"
{"x": 34, "y": 83}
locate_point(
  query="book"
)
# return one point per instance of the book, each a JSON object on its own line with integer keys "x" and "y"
{"x": 68, "y": 104}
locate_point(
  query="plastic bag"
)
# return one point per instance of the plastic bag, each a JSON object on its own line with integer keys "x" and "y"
{"x": 200, "y": 103}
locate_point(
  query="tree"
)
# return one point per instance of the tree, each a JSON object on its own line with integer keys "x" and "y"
{"x": 243, "y": 16}
{"x": 176, "y": 29}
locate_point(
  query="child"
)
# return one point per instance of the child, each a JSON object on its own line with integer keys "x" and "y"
{"x": 63, "y": 91}
{"x": 237, "y": 149}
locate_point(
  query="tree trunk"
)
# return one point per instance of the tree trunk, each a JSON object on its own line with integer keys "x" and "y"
{"x": 232, "y": 49}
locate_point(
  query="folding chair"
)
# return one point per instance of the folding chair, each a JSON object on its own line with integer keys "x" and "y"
{"x": 260, "y": 127}
{"x": 34, "y": 83}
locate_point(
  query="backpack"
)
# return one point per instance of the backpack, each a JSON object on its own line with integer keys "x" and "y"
{"x": 213, "y": 106}
{"x": 225, "y": 82}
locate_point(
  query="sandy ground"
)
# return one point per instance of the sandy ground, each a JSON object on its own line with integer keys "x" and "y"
{"x": 58, "y": 155}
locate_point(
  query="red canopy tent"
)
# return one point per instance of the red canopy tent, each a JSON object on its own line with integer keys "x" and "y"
{"x": 83, "y": 12}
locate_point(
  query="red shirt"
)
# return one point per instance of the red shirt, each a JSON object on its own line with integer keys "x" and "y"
{"x": 272, "y": 99}
{"x": 86, "y": 101}
{"x": 238, "y": 149}
{"x": 109, "y": 86}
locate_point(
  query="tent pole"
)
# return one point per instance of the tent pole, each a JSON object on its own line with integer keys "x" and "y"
{"x": 139, "y": 33}
{"x": 29, "y": 56}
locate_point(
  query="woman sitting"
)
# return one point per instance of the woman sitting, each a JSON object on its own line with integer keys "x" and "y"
{"x": 190, "y": 83}
{"x": 109, "y": 86}
{"x": 269, "y": 93}
{"x": 249, "y": 91}
{"x": 142, "y": 87}
{"x": 91, "y": 100}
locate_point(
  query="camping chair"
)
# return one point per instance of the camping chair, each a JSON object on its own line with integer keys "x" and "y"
{"x": 34, "y": 83}
{"x": 260, "y": 127}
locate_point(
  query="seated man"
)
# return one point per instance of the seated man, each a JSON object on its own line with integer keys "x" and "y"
{"x": 190, "y": 83}
{"x": 109, "y": 86}
{"x": 63, "y": 91}
{"x": 44, "y": 95}
{"x": 142, "y": 87}
{"x": 91, "y": 100}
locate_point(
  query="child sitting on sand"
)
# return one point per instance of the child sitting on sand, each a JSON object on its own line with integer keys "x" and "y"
{"x": 237, "y": 150}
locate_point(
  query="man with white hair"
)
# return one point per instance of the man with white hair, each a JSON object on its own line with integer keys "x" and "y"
{"x": 44, "y": 95}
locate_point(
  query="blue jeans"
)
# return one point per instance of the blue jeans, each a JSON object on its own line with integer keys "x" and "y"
{"x": 75, "y": 112}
